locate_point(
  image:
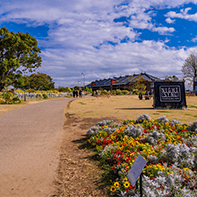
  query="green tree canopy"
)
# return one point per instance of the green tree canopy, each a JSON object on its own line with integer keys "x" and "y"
{"x": 64, "y": 89}
{"x": 36, "y": 81}
{"x": 18, "y": 54}
{"x": 41, "y": 81}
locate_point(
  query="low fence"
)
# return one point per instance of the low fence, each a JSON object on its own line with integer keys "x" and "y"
{"x": 28, "y": 96}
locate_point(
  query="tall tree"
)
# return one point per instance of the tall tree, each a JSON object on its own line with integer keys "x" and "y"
{"x": 189, "y": 68}
{"x": 18, "y": 54}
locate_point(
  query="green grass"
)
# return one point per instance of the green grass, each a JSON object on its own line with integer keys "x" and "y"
{"x": 155, "y": 113}
{"x": 188, "y": 114}
{"x": 82, "y": 103}
{"x": 192, "y": 106}
{"x": 164, "y": 111}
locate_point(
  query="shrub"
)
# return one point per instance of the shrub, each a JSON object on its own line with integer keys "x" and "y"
{"x": 113, "y": 92}
{"x": 118, "y": 92}
{"x": 45, "y": 96}
{"x": 125, "y": 92}
{"x": 16, "y": 100}
{"x": 8, "y": 96}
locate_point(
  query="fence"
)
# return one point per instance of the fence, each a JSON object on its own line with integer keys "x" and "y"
{"x": 28, "y": 96}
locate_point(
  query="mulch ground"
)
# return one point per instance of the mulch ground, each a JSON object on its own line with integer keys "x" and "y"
{"x": 79, "y": 172}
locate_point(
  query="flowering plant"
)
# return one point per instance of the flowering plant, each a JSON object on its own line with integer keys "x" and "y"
{"x": 169, "y": 147}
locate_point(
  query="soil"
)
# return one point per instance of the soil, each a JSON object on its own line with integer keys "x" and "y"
{"x": 79, "y": 172}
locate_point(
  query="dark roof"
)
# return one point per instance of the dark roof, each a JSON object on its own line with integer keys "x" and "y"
{"x": 123, "y": 80}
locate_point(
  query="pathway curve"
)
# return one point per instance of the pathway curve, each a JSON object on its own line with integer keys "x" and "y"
{"x": 30, "y": 139}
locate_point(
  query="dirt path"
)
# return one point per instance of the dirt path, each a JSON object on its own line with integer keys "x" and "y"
{"x": 79, "y": 172}
{"x": 30, "y": 139}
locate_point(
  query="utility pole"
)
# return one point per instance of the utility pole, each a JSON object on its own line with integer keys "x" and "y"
{"x": 84, "y": 80}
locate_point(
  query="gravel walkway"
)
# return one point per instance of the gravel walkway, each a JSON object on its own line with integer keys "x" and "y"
{"x": 30, "y": 138}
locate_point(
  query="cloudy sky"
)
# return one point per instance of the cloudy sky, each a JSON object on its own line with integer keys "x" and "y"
{"x": 106, "y": 38}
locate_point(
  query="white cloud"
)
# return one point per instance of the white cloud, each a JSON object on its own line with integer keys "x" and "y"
{"x": 77, "y": 27}
{"x": 194, "y": 39}
{"x": 183, "y": 15}
{"x": 163, "y": 30}
{"x": 169, "y": 20}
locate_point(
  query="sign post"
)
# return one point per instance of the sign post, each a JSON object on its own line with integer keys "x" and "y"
{"x": 136, "y": 171}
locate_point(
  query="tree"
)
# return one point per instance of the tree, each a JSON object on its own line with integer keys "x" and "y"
{"x": 64, "y": 89}
{"x": 18, "y": 54}
{"x": 41, "y": 81}
{"x": 171, "y": 78}
{"x": 22, "y": 82}
{"x": 138, "y": 83}
{"x": 189, "y": 68}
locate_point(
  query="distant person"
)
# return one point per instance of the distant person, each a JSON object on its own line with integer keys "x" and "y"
{"x": 140, "y": 96}
{"x": 77, "y": 93}
{"x": 74, "y": 93}
{"x": 80, "y": 93}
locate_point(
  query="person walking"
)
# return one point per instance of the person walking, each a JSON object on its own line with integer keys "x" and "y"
{"x": 77, "y": 93}
{"x": 80, "y": 93}
{"x": 74, "y": 93}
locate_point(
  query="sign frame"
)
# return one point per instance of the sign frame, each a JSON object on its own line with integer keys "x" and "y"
{"x": 173, "y": 95}
{"x": 136, "y": 169}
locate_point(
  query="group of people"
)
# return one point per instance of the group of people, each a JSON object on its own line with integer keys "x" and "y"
{"x": 77, "y": 93}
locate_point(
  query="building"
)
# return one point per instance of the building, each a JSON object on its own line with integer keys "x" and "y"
{"x": 123, "y": 83}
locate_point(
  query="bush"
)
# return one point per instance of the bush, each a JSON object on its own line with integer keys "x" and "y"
{"x": 118, "y": 92}
{"x": 45, "y": 96}
{"x": 125, "y": 92}
{"x": 104, "y": 92}
{"x": 16, "y": 100}
{"x": 113, "y": 92}
{"x": 8, "y": 96}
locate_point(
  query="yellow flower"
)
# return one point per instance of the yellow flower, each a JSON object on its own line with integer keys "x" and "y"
{"x": 126, "y": 184}
{"x": 116, "y": 184}
{"x": 125, "y": 179}
{"x": 113, "y": 189}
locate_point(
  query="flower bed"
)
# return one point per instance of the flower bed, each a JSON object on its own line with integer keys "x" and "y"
{"x": 169, "y": 147}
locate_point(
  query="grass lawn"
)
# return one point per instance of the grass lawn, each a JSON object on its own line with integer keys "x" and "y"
{"x": 125, "y": 107}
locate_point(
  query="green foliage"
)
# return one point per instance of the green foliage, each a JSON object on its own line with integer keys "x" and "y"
{"x": 104, "y": 92}
{"x": 8, "y": 98}
{"x": 125, "y": 92}
{"x": 64, "y": 89}
{"x": 118, "y": 92}
{"x": 19, "y": 53}
{"x": 82, "y": 103}
{"x": 41, "y": 81}
{"x": 45, "y": 96}
{"x": 138, "y": 83}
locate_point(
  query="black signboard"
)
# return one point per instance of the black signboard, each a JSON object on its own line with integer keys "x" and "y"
{"x": 169, "y": 94}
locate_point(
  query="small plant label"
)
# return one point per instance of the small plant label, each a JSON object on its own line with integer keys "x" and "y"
{"x": 136, "y": 169}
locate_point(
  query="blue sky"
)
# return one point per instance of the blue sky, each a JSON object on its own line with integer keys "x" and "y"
{"x": 102, "y": 39}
